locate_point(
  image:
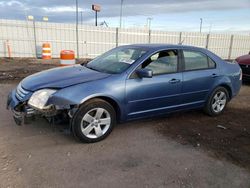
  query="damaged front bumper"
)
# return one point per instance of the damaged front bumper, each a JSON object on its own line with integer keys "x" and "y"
{"x": 23, "y": 113}
{"x": 17, "y": 102}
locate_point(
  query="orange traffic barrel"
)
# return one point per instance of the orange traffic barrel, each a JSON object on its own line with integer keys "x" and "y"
{"x": 46, "y": 53}
{"x": 67, "y": 57}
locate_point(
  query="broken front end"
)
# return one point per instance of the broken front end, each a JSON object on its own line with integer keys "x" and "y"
{"x": 26, "y": 105}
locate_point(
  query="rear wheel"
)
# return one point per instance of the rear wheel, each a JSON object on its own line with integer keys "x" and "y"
{"x": 217, "y": 101}
{"x": 94, "y": 121}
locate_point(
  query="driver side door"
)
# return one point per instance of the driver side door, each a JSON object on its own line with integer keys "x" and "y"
{"x": 159, "y": 94}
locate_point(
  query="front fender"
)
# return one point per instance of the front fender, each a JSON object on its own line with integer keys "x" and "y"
{"x": 78, "y": 94}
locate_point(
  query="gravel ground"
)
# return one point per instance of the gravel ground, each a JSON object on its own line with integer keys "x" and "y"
{"x": 186, "y": 149}
{"x": 15, "y": 69}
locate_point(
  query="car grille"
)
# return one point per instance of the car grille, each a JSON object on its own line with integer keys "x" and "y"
{"x": 21, "y": 93}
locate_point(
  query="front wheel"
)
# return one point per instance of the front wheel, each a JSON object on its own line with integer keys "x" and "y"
{"x": 93, "y": 121}
{"x": 217, "y": 101}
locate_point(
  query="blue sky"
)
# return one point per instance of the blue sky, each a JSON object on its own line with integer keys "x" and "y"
{"x": 222, "y": 16}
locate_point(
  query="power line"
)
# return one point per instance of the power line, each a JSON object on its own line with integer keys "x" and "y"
{"x": 201, "y": 24}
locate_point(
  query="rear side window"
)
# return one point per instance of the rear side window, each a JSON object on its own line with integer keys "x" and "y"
{"x": 197, "y": 61}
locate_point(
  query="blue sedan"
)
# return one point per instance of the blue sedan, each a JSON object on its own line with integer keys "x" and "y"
{"x": 127, "y": 83}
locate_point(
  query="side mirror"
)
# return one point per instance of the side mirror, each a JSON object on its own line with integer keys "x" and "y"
{"x": 144, "y": 73}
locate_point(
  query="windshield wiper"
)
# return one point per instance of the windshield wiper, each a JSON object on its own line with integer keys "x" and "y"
{"x": 92, "y": 68}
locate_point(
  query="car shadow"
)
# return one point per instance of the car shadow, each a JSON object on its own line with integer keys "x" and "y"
{"x": 246, "y": 83}
{"x": 40, "y": 126}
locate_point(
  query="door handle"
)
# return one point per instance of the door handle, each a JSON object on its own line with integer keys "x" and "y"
{"x": 214, "y": 75}
{"x": 174, "y": 80}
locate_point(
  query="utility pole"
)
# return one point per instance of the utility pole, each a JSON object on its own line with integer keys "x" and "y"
{"x": 121, "y": 13}
{"x": 210, "y": 28}
{"x": 46, "y": 19}
{"x": 81, "y": 17}
{"x": 77, "y": 42}
{"x": 34, "y": 26}
{"x": 31, "y": 18}
{"x": 201, "y": 20}
{"x": 149, "y": 22}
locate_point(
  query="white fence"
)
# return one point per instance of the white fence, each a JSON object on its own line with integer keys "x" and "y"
{"x": 93, "y": 40}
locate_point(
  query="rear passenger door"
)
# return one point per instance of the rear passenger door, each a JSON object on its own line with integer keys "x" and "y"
{"x": 199, "y": 76}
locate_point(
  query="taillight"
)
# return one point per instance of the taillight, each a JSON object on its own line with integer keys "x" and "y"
{"x": 240, "y": 74}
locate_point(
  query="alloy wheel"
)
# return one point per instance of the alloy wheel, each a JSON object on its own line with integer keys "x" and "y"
{"x": 95, "y": 123}
{"x": 219, "y": 101}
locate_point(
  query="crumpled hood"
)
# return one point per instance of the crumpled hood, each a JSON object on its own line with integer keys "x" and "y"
{"x": 61, "y": 77}
{"x": 245, "y": 60}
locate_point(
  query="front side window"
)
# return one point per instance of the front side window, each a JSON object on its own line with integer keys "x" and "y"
{"x": 163, "y": 62}
{"x": 117, "y": 60}
{"x": 197, "y": 61}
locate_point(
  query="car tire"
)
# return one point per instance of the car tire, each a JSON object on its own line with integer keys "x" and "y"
{"x": 217, "y": 102}
{"x": 93, "y": 121}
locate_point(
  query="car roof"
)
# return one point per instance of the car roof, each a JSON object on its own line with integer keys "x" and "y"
{"x": 156, "y": 47}
{"x": 162, "y": 46}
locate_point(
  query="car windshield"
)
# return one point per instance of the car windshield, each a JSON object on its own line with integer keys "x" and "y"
{"x": 117, "y": 60}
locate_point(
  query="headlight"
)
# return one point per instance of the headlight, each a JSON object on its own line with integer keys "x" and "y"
{"x": 40, "y": 98}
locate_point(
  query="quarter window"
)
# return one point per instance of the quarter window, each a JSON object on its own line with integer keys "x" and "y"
{"x": 197, "y": 60}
